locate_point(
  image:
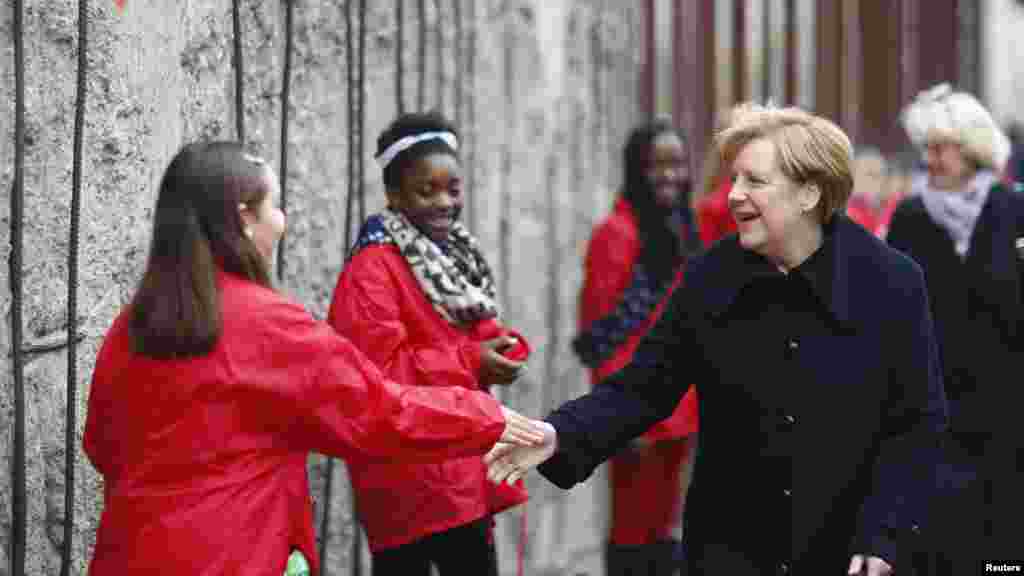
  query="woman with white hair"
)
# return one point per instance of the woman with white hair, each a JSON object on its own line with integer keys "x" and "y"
{"x": 966, "y": 230}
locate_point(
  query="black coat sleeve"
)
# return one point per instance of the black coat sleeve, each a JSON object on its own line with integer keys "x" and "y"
{"x": 901, "y": 228}
{"x": 596, "y": 426}
{"x": 913, "y": 423}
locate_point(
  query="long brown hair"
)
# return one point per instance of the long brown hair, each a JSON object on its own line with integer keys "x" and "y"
{"x": 196, "y": 229}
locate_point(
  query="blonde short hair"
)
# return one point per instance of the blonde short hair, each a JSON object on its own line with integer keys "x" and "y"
{"x": 810, "y": 149}
{"x": 941, "y": 113}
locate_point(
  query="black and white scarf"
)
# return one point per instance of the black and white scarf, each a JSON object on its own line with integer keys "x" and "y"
{"x": 454, "y": 276}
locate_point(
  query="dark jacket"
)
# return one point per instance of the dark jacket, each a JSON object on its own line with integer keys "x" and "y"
{"x": 978, "y": 306}
{"x": 812, "y": 447}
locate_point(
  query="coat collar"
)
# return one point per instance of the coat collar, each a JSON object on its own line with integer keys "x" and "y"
{"x": 827, "y": 270}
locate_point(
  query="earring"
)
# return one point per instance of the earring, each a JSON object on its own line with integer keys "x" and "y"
{"x": 248, "y": 233}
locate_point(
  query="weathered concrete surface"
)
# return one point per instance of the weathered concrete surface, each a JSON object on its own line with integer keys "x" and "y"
{"x": 1003, "y": 58}
{"x": 545, "y": 92}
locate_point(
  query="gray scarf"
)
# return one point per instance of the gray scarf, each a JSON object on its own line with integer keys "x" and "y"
{"x": 957, "y": 212}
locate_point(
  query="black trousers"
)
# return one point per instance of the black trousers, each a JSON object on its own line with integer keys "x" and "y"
{"x": 721, "y": 559}
{"x": 466, "y": 549}
{"x": 655, "y": 559}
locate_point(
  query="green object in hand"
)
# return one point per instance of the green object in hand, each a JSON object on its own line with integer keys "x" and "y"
{"x": 297, "y": 565}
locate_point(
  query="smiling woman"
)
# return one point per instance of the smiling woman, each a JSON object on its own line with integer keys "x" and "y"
{"x": 634, "y": 261}
{"x": 764, "y": 327}
{"x": 791, "y": 174}
{"x": 962, "y": 225}
{"x": 433, "y": 197}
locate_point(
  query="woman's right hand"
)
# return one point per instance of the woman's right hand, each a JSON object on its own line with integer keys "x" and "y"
{"x": 496, "y": 369}
{"x": 507, "y": 462}
{"x": 520, "y": 430}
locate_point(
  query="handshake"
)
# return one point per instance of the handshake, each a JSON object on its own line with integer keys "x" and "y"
{"x": 525, "y": 444}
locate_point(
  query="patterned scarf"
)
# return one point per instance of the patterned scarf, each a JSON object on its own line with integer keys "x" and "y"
{"x": 603, "y": 337}
{"x": 957, "y": 212}
{"x": 599, "y": 341}
{"x": 454, "y": 275}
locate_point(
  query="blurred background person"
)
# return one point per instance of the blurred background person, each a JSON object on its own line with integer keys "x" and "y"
{"x": 714, "y": 220}
{"x": 901, "y": 169}
{"x": 633, "y": 264}
{"x": 417, "y": 296}
{"x": 1015, "y": 167}
{"x": 210, "y": 390}
{"x": 868, "y": 199}
{"x": 965, "y": 228}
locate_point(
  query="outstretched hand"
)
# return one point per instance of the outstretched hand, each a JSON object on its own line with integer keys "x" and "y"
{"x": 861, "y": 565}
{"x": 508, "y": 462}
{"x": 520, "y": 430}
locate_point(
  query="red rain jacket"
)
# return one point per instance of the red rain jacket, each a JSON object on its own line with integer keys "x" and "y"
{"x": 645, "y": 488}
{"x": 379, "y": 305}
{"x": 861, "y": 211}
{"x": 713, "y": 216}
{"x": 204, "y": 459}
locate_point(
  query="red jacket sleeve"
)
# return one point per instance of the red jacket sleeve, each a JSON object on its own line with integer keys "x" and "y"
{"x": 366, "y": 309}
{"x": 608, "y": 269}
{"x": 344, "y": 406}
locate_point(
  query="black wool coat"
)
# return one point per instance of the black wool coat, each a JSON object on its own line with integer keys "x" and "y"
{"x": 812, "y": 448}
{"x": 978, "y": 306}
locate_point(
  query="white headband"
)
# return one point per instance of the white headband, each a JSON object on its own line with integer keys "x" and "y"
{"x": 403, "y": 144}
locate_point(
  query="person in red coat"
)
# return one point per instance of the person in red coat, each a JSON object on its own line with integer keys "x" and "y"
{"x": 210, "y": 389}
{"x": 900, "y": 173}
{"x": 867, "y": 205}
{"x": 633, "y": 264}
{"x": 714, "y": 219}
{"x": 418, "y": 297}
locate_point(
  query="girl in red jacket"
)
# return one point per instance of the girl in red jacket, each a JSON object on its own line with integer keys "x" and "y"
{"x": 634, "y": 262}
{"x": 210, "y": 389}
{"x": 418, "y": 297}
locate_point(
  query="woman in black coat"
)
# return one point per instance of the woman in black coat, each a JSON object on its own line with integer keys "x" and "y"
{"x": 811, "y": 346}
{"x": 966, "y": 230}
